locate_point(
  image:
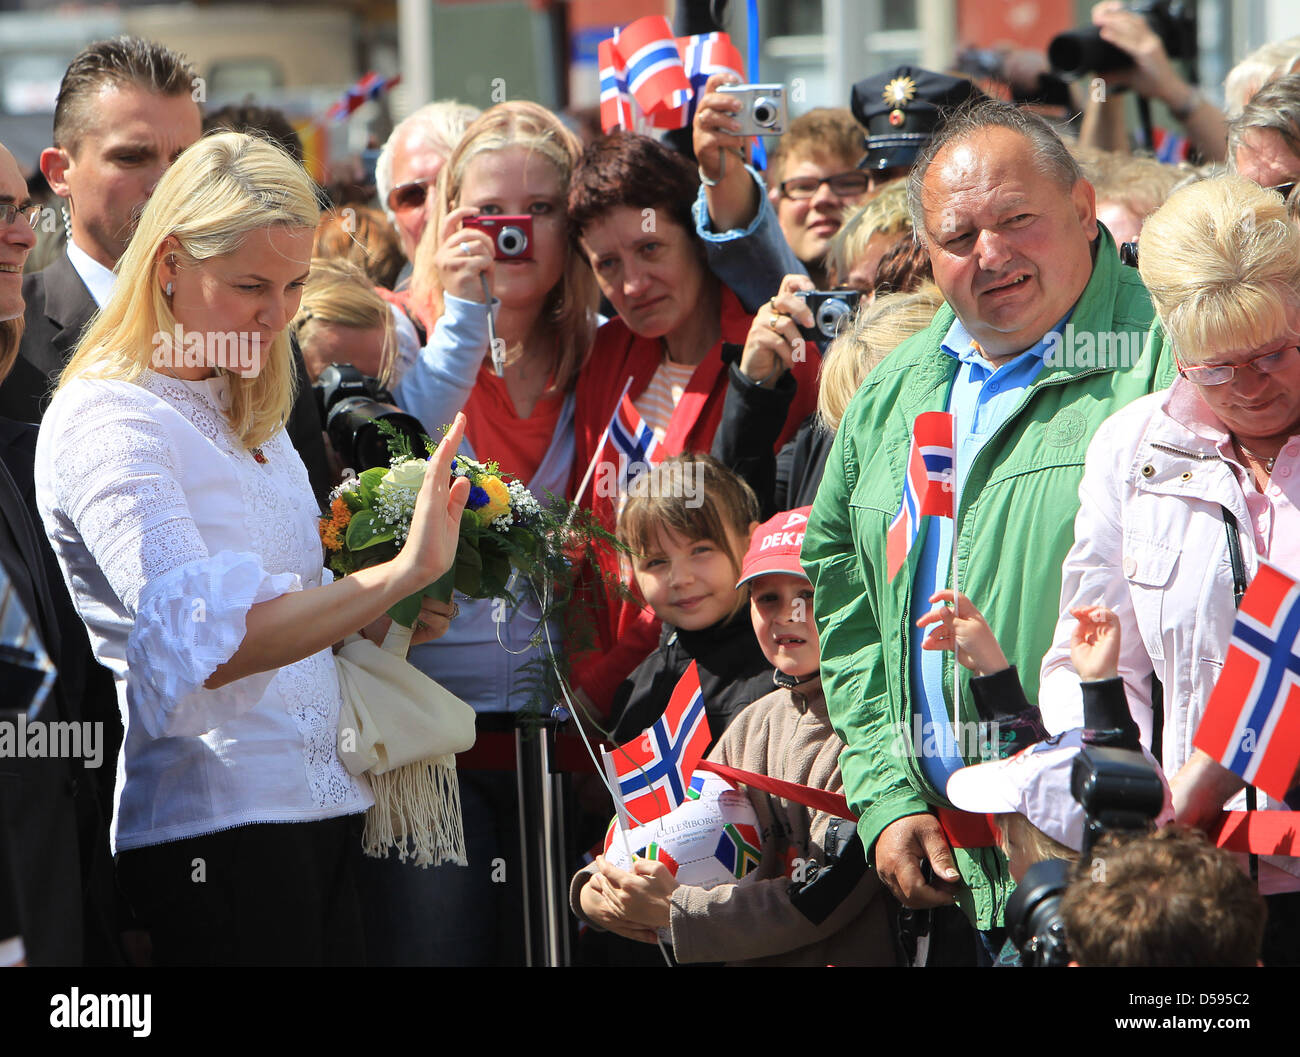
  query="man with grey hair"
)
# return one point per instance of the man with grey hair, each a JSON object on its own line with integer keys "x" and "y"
{"x": 1264, "y": 139}
{"x": 408, "y": 166}
{"x": 1032, "y": 284}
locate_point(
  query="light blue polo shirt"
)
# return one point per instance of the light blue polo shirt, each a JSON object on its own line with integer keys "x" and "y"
{"x": 982, "y": 398}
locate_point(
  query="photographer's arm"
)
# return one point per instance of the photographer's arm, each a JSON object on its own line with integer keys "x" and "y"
{"x": 733, "y": 199}
{"x": 438, "y": 384}
{"x": 743, "y": 242}
{"x": 1105, "y": 120}
{"x": 1154, "y": 77}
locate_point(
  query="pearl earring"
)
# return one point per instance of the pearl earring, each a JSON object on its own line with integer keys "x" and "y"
{"x": 170, "y": 288}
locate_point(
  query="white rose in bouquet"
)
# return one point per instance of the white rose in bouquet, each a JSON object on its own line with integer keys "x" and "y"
{"x": 408, "y": 474}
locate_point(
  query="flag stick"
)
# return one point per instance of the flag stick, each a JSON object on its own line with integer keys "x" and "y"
{"x": 620, "y": 821}
{"x": 620, "y": 810}
{"x": 956, "y": 592}
{"x": 591, "y": 467}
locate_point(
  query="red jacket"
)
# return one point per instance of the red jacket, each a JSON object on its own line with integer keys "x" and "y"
{"x": 626, "y": 633}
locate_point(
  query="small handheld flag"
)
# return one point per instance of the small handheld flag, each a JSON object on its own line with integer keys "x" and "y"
{"x": 1252, "y": 720}
{"x": 927, "y": 485}
{"x": 703, "y": 55}
{"x": 650, "y": 772}
{"x": 655, "y": 75}
{"x": 615, "y": 103}
{"x": 371, "y": 86}
{"x": 637, "y": 446}
{"x": 649, "y": 76}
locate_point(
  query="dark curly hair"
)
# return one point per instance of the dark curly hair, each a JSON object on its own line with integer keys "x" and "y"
{"x": 625, "y": 169}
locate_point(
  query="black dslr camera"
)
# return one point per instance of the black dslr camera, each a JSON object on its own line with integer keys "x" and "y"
{"x": 1119, "y": 791}
{"x": 831, "y": 311}
{"x": 351, "y": 406}
{"x": 1078, "y": 52}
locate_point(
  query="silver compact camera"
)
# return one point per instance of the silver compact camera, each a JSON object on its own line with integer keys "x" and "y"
{"x": 762, "y": 111}
{"x": 832, "y": 310}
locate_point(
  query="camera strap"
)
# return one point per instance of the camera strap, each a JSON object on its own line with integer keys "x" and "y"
{"x": 1239, "y": 585}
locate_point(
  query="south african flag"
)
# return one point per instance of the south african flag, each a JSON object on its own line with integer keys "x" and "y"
{"x": 738, "y": 849}
{"x": 656, "y": 852}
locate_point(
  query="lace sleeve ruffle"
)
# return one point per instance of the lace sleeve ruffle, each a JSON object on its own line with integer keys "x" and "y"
{"x": 190, "y": 621}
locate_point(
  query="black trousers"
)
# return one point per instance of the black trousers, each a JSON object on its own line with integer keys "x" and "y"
{"x": 263, "y": 894}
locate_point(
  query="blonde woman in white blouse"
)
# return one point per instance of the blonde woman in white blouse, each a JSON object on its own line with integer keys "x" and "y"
{"x": 186, "y": 530}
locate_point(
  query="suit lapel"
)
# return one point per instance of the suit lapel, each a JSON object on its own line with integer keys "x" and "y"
{"x": 68, "y": 306}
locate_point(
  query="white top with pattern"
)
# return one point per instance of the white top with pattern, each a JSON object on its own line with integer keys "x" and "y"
{"x": 168, "y": 530}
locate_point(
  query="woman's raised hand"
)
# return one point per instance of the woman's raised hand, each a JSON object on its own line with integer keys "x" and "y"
{"x": 715, "y": 130}
{"x": 430, "y": 546}
{"x": 463, "y": 255}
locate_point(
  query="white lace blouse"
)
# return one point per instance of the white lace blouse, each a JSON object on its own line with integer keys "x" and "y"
{"x": 168, "y": 530}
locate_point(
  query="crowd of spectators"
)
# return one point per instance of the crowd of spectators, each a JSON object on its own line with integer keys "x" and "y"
{"x": 1105, "y": 511}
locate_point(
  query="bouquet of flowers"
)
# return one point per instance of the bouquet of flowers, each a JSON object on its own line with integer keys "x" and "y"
{"x": 503, "y": 531}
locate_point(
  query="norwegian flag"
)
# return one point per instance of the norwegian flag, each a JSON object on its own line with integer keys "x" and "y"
{"x": 1252, "y": 721}
{"x": 655, "y": 75}
{"x": 615, "y": 103}
{"x": 371, "y": 86}
{"x": 640, "y": 77}
{"x": 649, "y": 773}
{"x": 927, "y": 486}
{"x": 638, "y": 448}
{"x": 703, "y": 55}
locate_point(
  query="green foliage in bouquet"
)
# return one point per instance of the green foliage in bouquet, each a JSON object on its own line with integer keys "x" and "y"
{"x": 504, "y": 531}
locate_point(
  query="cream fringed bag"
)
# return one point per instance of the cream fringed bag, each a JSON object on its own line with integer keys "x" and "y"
{"x": 403, "y": 731}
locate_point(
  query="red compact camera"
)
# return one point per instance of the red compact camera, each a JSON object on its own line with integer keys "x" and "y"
{"x": 512, "y": 237}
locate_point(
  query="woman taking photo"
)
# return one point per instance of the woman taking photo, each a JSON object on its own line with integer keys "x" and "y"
{"x": 1181, "y": 486}
{"x": 184, "y": 523}
{"x": 515, "y": 160}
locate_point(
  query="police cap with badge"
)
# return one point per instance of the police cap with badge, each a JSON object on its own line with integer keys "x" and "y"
{"x": 901, "y": 109}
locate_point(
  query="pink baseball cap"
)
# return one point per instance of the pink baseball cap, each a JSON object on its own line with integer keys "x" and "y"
{"x": 775, "y": 546}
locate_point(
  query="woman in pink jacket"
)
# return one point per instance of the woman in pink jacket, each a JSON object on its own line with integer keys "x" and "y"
{"x": 1179, "y": 481}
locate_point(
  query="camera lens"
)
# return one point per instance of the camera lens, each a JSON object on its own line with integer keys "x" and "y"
{"x": 512, "y": 241}
{"x": 831, "y": 316}
{"x": 765, "y": 112}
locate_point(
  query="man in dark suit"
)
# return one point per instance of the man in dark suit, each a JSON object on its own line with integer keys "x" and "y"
{"x": 125, "y": 111}
{"x": 53, "y": 837}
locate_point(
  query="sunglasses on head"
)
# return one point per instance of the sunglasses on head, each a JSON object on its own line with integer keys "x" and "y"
{"x": 1284, "y": 189}
{"x": 408, "y": 196}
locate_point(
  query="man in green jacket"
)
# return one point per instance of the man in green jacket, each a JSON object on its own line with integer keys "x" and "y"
{"x": 1041, "y": 338}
